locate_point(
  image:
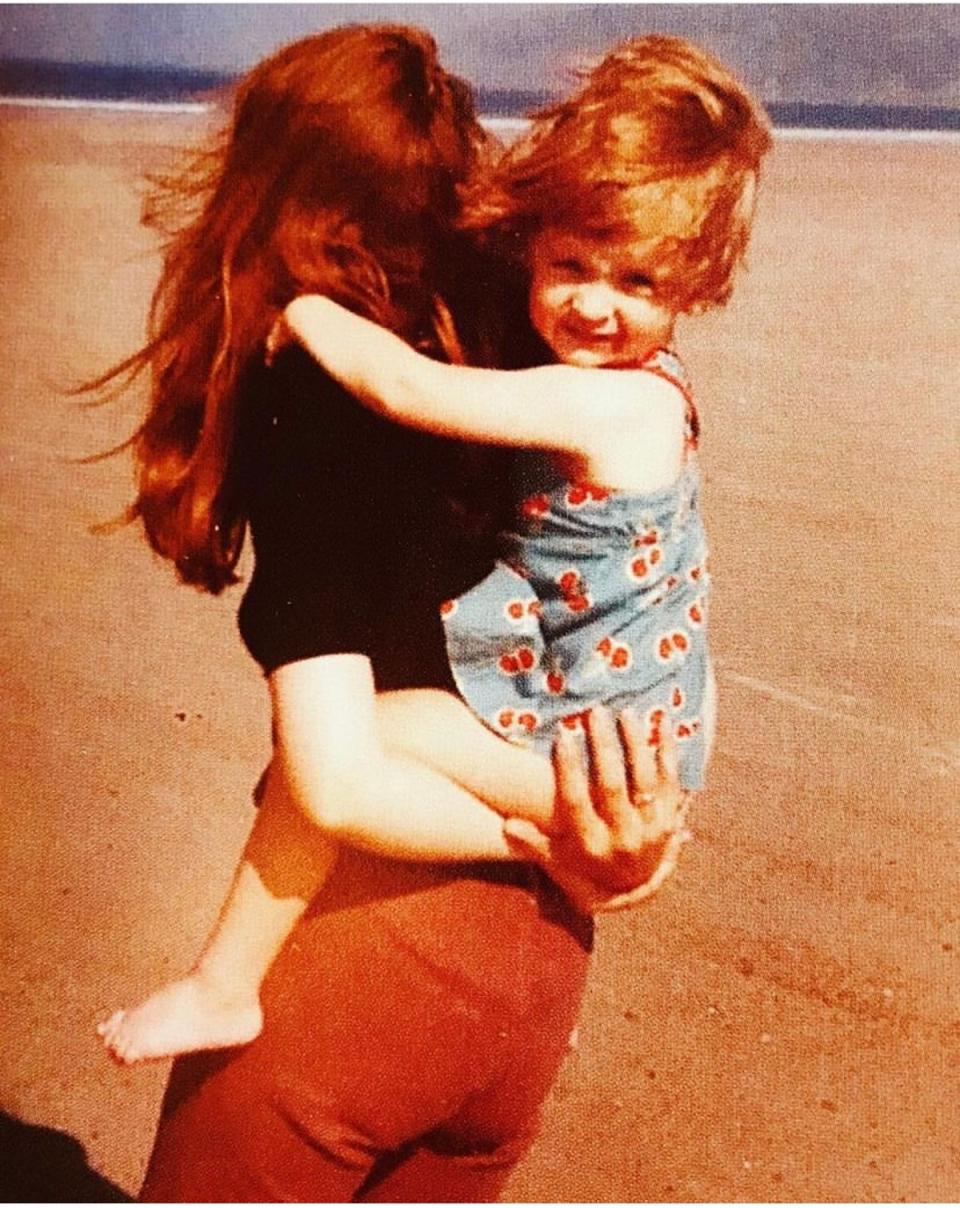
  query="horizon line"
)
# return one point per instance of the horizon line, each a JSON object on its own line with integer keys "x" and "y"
{"x": 177, "y": 88}
{"x": 495, "y": 122}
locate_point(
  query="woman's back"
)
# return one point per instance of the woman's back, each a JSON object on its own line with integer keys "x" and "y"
{"x": 358, "y": 536}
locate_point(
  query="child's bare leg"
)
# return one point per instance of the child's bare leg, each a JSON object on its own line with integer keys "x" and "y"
{"x": 439, "y": 730}
{"x": 286, "y": 861}
{"x": 217, "y": 1005}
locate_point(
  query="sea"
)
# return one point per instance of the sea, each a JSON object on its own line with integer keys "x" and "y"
{"x": 46, "y": 81}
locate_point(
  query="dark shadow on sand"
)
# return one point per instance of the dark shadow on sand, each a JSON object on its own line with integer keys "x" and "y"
{"x": 40, "y": 1165}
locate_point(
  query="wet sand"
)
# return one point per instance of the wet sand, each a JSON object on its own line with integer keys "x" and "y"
{"x": 783, "y": 1021}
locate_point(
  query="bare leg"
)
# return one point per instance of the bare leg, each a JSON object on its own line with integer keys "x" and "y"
{"x": 287, "y": 859}
{"x": 440, "y": 731}
{"x": 216, "y": 1005}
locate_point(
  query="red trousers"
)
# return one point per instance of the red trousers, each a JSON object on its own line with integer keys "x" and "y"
{"x": 414, "y": 1024}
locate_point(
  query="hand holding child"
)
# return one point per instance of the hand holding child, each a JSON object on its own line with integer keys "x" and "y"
{"x": 619, "y": 817}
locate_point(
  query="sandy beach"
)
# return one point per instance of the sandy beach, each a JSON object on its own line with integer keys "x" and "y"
{"x": 783, "y": 1022}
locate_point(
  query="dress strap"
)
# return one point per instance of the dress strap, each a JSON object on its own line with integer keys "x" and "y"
{"x": 667, "y": 364}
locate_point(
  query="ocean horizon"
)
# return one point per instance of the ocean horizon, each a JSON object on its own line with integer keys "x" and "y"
{"x": 50, "y": 81}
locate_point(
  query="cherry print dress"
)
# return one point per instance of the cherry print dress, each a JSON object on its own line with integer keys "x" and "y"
{"x": 600, "y": 598}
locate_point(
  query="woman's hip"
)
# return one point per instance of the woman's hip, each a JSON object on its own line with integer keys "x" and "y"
{"x": 406, "y": 993}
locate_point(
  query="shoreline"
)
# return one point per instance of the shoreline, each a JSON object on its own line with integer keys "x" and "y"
{"x": 505, "y": 126}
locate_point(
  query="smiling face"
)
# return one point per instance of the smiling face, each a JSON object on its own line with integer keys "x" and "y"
{"x": 594, "y": 300}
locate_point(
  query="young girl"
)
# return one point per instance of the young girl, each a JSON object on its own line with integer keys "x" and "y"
{"x": 626, "y": 206}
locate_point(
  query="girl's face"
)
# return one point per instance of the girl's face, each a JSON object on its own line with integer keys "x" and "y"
{"x": 594, "y": 300}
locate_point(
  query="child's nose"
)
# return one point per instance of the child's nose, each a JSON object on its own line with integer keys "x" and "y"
{"x": 595, "y": 305}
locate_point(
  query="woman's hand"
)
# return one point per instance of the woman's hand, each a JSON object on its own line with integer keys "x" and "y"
{"x": 619, "y": 818}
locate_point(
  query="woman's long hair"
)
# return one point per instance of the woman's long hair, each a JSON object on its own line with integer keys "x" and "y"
{"x": 338, "y": 173}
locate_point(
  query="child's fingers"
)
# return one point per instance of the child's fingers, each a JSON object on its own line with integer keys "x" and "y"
{"x": 278, "y": 336}
{"x": 108, "y": 1027}
{"x": 670, "y": 796}
{"x": 654, "y": 775}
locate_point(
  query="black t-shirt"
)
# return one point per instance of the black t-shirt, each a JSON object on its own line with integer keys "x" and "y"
{"x": 356, "y": 539}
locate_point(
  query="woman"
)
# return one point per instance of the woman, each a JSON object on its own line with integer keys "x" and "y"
{"x": 415, "y": 1021}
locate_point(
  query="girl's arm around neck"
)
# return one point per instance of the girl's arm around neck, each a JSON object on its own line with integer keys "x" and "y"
{"x": 625, "y": 425}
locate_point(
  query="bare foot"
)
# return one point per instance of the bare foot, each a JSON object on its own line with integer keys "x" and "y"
{"x": 192, "y": 1013}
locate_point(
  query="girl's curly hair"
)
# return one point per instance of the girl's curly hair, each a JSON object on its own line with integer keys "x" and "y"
{"x": 661, "y": 144}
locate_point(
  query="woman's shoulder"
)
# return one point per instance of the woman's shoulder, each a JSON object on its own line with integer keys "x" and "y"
{"x": 302, "y": 427}
{"x": 293, "y": 392}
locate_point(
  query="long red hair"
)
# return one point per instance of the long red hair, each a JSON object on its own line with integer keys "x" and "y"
{"x": 337, "y": 173}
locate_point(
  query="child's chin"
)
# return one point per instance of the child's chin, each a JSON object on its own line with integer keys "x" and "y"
{"x": 588, "y": 358}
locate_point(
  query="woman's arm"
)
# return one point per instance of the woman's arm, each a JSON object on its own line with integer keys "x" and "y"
{"x": 338, "y": 772}
{"x": 590, "y": 413}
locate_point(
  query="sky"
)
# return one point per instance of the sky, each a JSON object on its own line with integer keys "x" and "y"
{"x": 892, "y": 54}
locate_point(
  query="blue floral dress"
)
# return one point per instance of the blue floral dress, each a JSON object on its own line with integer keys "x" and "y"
{"x": 600, "y": 597}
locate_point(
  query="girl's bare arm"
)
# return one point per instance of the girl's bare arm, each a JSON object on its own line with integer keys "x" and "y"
{"x": 626, "y": 425}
